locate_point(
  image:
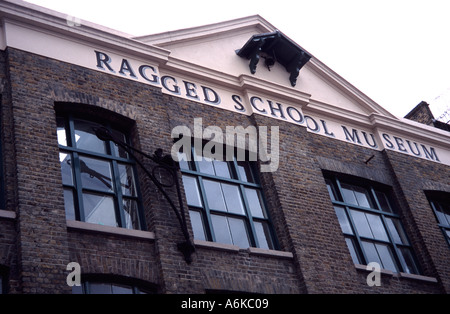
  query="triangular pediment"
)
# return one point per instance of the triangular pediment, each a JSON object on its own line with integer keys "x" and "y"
{"x": 216, "y": 47}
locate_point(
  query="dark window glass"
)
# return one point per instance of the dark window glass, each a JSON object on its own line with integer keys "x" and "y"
{"x": 372, "y": 231}
{"x": 226, "y": 204}
{"x": 108, "y": 288}
{"x": 99, "y": 178}
{"x": 440, "y": 203}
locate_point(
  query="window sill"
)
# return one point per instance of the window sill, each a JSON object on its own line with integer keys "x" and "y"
{"x": 7, "y": 214}
{"x": 84, "y": 226}
{"x": 236, "y": 249}
{"x": 270, "y": 253}
{"x": 418, "y": 277}
{"x": 399, "y": 275}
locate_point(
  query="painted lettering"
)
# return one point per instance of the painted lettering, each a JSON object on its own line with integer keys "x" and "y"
{"x": 374, "y": 143}
{"x": 191, "y": 90}
{"x": 142, "y": 72}
{"x": 324, "y": 124}
{"x": 211, "y": 96}
{"x": 387, "y": 138}
{"x": 273, "y": 109}
{"x": 316, "y": 127}
{"x": 126, "y": 67}
{"x": 170, "y": 84}
{"x": 417, "y": 152}
{"x": 103, "y": 60}
{"x": 400, "y": 145}
{"x": 238, "y": 100}
{"x": 430, "y": 154}
{"x": 298, "y": 116}
{"x": 252, "y": 102}
{"x": 353, "y": 137}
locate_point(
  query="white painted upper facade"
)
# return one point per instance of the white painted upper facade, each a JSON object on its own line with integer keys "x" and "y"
{"x": 201, "y": 64}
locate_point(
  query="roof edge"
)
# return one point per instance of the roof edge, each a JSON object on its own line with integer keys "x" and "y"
{"x": 171, "y": 37}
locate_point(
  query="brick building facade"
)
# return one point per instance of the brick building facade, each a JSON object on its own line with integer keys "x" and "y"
{"x": 353, "y": 183}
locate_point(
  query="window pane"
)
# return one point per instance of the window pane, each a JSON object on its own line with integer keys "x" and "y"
{"x": 238, "y": 232}
{"x": 214, "y": 195}
{"x": 263, "y": 235}
{"x": 191, "y": 190}
{"x": 383, "y": 201}
{"x": 96, "y": 174}
{"x": 206, "y": 166}
{"x": 100, "y": 288}
{"x": 221, "y": 168}
{"x": 347, "y": 193}
{"x": 371, "y": 253}
{"x": 386, "y": 257}
{"x": 99, "y": 209}
{"x": 255, "y": 202}
{"x": 183, "y": 161}
{"x": 77, "y": 290}
{"x": 197, "y": 225}
{"x": 85, "y": 137}
{"x": 131, "y": 213}
{"x": 352, "y": 249}
{"x": 406, "y": 255}
{"x": 343, "y": 220}
{"x": 69, "y": 204}
{"x": 221, "y": 230}
{"x": 245, "y": 171}
{"x": 66, "y": 168}
{"x": 443, "y": 211}
{"x": 121, "y": 290}
{"x": 118, "y": 150}
{"x": 127, "y": 182}
{"x": 377, "y": 228}
{"x": 331, "y": 190}
{"x": 233, "y": 198}
{"x": 396, "y": 231}
{"x": 61, "y": 131}
{"x": 361, "y": 196}
{"x": 362, "y": 226}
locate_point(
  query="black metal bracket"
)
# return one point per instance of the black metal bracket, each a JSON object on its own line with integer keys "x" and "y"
{"x": 167, "y": 169}
{"x": 277, "y": 48}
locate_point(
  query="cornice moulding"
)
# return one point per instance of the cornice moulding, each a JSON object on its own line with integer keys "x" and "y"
{"x": 54, "y": 23}
{"x": 199, "y": 32}
{"x": 410, "y": 129}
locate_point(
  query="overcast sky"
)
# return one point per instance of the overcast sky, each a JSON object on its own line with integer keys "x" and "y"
{"x": 397, "y": 52}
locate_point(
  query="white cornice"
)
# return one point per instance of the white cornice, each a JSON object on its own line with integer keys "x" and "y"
{"x": 410, "y": 129}
{"x": 255, "y": 84}
{"x": 338, "y": 113}
{"x": 55, "y": 24}
{"x": 195, "y": 33}
{"x": 35, "y": 17}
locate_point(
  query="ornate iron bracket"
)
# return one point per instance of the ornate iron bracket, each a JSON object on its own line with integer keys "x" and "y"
{"x": 277, "y": 48}
{"x": 167, "y": 170}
